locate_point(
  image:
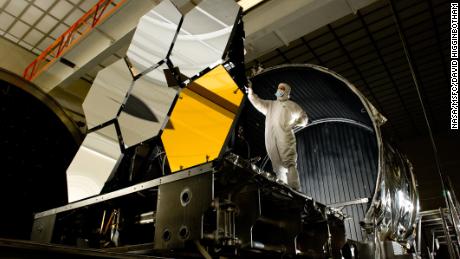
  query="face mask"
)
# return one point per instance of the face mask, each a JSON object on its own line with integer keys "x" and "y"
{"x": 279, "y": 93}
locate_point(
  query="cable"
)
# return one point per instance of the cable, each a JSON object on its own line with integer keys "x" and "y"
{"x": 264, "y": 162}
{"x": 163, "y": 164}
{"x": 248, "y": 147}
{"x": 202, "y": 250}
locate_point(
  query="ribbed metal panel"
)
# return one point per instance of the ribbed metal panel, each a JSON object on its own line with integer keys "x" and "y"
{"x": 320, "y": 94}
{"x": 337, "y": 162}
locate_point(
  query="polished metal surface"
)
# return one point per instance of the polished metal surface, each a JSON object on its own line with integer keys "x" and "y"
{"x": 107, "y": 94}
{"x": 94, "y": 163}
{"x": 341, "y": 120}
{"x": 204, "y": 35}
{"x": 396, "y": 212}
{"x": 154, "y": 36}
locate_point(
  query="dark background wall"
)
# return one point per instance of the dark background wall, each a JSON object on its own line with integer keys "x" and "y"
{"x": 420, "y": 153}
{"x": 36, "y": 148}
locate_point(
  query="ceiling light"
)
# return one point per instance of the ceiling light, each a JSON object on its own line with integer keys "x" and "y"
{"x": 248, "y": 4}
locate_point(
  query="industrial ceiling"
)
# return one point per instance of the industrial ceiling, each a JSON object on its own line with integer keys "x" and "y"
{"x": 34, "y": 25}
{"x": 366, "y": 49}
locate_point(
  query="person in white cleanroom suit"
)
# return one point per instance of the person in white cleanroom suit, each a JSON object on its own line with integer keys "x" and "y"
{"x": 281, "y": 116}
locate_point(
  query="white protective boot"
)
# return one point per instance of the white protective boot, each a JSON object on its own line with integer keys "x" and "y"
{"x": 281, "y": 175}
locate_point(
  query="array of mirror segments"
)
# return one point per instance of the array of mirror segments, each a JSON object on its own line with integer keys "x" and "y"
{"x": 139, "y": 99}
{"x": 201, "y": 43}
{"x": 146, "y": 109}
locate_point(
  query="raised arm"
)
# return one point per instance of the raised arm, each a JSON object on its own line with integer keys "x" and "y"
{"x": 260, "y": 104}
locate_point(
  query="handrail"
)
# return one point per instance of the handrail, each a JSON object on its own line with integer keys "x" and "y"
{"x": 97, "y": 14}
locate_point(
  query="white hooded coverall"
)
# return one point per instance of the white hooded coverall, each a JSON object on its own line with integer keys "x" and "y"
{"x": 281, "y": 116}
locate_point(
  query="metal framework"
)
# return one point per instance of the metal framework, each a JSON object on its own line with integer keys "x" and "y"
{"x": 97, "y": 14}
{"x": 435, "y": 227}
{"x": 370, "y": 40}
{"x": 206, "y": 168}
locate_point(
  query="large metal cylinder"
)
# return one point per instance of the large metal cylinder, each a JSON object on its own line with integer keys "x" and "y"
{"x": 37, "y": 142}
{"x": 340, "y": 153}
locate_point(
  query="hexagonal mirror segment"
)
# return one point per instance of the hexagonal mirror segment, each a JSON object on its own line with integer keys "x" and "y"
{"x": 154, "y": 36}
{"x": 107, "y": 94}
{"x": 204, "y": 35}
{"x": 96, "y": 159}
{"x": 202, "y": 119}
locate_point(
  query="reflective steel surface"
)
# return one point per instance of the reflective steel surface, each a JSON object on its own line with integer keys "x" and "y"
{"x": 396, "y": 211}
